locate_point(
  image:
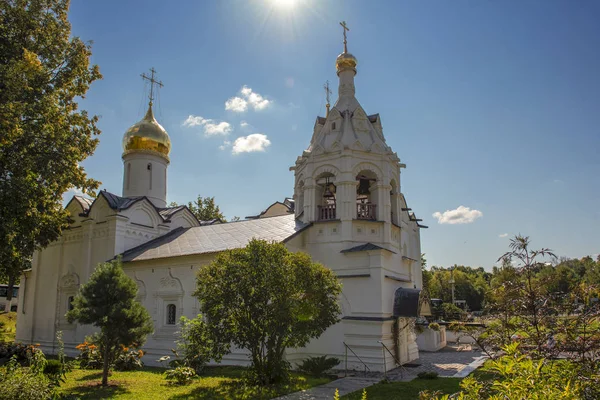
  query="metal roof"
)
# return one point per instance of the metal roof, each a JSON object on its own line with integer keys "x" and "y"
{"x": 216, "y": 238}
{"x": 365, "y": 247}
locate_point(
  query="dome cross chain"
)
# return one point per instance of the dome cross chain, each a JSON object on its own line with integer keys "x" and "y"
{"x": 152, "y": 83}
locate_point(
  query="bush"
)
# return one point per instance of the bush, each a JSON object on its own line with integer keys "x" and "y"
{"x": 89, "y": 356}
{"x": 129, "y": 360}
{"x": 20, "y": 350}
{"x": 180, "y": 375}
{"x": 53, "y": 367}
{"x": 27, "y": 383}
{"x": 196, "y": 345}
{"x": 434, "y": 326}
{"x": 317, "y": 366}
{"x": 427, "y": 375}
{"x": 24, "y": 384}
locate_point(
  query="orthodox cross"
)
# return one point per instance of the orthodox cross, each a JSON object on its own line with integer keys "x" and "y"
{"x": 343, "y": 24}
{"x": 327, "y": 93}
{"x": 152, "y": 83}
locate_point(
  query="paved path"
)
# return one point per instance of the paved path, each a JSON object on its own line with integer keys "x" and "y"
{"x": 452, "y": 361}
{"x": 326, "y": 392}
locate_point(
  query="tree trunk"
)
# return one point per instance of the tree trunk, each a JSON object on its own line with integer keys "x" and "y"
{"x": 105, "y": 367}
{"x": 9, "y": 293}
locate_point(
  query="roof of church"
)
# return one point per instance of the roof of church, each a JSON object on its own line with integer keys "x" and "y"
{"x": 364, "y": 247}
{"x": 216, "y": 238}
{"x": 122, "y": 203}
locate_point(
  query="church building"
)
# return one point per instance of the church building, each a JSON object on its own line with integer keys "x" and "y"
{"x": 348, "y": 212}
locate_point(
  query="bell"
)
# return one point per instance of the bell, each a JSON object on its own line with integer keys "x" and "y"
{"x": 329, "y": 189}
{"x": 363, "y": 187}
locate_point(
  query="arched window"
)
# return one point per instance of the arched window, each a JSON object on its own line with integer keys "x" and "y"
{"x": 150, "y": 174}
{"x": 171, "y": 314}
{"x": 128, "y": 174}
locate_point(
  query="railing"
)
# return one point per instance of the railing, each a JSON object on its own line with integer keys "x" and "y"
{"x": 366, "y": 211}
{"x": 326, "y": 212}
{"x": 355, "y": 355}
{"x": 383, "y": 349}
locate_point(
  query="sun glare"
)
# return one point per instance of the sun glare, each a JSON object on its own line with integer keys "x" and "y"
{"x": 284, "y": 3}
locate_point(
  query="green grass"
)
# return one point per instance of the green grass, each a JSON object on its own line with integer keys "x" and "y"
{"x": 407, "y": 390}
{"x": 410, "y": 390}
{"x": 8, "y": 326}
{"x": 223, "y": 383}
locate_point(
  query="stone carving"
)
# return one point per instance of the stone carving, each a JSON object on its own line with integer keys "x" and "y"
{"x": 168, "y": 282}
{"x": 70, "y": 279}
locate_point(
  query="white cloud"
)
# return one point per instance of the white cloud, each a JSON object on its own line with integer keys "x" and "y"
{"x": 250, "y": 143}
{"x": 193, "y": 120}
{"x": 221, "y": 128}
{"x": 236, "y": 104}
{"x": 225, "y": 145}
{"x": 244, "y": 124}
{"x": 503, "y": 235}
{"x": 461, "y": 215}
{"x": 249, "y": 99}
{"x": 211, "y": 127}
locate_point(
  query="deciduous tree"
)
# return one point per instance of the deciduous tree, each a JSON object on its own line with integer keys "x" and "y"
{"x": 265, "y": 299}
{"x": 43, "y": 71}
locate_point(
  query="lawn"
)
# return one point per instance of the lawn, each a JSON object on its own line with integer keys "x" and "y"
{"x": 221, "y": 383}
{"x": 8, "y": 326}
{"x": 407, "y": 390}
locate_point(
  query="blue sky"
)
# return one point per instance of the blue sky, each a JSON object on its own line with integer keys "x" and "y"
{"x": 493, "y": 105}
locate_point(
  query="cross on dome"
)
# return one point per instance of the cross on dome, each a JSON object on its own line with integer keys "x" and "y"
{"x": 152, "y": 83}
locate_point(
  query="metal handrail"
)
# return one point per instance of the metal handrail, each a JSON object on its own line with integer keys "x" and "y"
{"x": 395, "y": 360}
{"x": 355, "y": 355}
{"x": 391, "y": 354}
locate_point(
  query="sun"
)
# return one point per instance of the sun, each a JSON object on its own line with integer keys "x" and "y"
{"x": 284, "y": 3}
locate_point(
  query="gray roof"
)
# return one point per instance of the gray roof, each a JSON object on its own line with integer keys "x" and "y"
{"x": 122, "y": 203}
{"x": 216, "y": 238}
{"x": 365, "y": 247}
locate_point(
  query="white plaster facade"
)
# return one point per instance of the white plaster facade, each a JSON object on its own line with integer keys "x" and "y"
{"x": 373, "y": 244}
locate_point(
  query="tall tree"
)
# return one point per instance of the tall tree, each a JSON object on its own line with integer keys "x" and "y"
{"x": 108, "y": 301}
{"x": 205, "y": 209}
{"x": 43, "y": 70}
{"x": 265, "y": 299}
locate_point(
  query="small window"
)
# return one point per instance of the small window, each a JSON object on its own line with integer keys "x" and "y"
{"x": 70, "y": 305}
{"x": 171, "y": 314}
{"x": 333, "y": 126}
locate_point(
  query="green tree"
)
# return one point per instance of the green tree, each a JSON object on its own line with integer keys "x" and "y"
{"x": 43, "y": 71}
{"x": 108, "y": 301}
{"x": 265, "y": 299}
{"x": 205, "y": 209}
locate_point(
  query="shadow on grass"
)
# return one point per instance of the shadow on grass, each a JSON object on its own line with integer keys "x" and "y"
{"x": 237, "y": 390}
{"x": 95, "y": 391}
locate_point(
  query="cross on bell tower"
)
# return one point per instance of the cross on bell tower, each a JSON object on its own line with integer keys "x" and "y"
{"x": 152, "y": 83}
{"x": 327, "y": 94}
{"x": 343, "y": 24}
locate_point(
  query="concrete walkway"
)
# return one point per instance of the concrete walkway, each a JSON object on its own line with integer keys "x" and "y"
{"x": 326, "y": 392}
{"x": 451, "y": 361}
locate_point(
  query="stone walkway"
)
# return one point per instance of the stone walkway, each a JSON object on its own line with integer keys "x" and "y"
{"x": 326, "y": 392}
{"x": 451, "y": 361}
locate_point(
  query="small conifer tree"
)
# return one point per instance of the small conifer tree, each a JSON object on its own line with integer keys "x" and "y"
{"x": 108, "y": 301}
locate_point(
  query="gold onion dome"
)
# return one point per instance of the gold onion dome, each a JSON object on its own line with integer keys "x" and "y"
{"x": 345, "y": 61}
{"x": 147, "y": 136}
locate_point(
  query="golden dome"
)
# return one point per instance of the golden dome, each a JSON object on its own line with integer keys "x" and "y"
{"x": 345, "y": 61}
{"x": 147, "y": 135}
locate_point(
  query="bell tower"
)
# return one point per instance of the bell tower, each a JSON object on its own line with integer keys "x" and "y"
{"x": 347, "y": 186}
{"x": 146, "y": 148}
{"x": 348, "y": 173}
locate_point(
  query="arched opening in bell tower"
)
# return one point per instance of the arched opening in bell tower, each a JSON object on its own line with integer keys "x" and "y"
{"x": 366, "y": 195}
{"x": 326, "y": 197}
